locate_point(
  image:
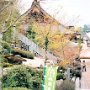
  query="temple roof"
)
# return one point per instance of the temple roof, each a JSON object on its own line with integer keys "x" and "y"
{"x": 37, "y": 13}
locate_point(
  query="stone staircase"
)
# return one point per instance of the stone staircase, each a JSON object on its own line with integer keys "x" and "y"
{"x": 34, "y": 48}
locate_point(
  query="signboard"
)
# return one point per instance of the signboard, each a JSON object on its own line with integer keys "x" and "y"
{"x": 50, "y": 73}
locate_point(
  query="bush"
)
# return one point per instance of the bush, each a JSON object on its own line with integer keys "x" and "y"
{"x": 6, "y": 65}
{"x": 23, "y": 53}
{"x": 5, "y": 45}
{"x": 15, "y": 88}
{"x": 61, "y": 68}
{"x": 22, "y": 76}
{"x": 67, "y": 85}
{"x": 60, "y": 76}
{"x": 17, "y": 77}
{"x": 37, "y": 78}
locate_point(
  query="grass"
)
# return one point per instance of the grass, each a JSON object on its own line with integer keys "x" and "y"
{"x": 16, "y": 88}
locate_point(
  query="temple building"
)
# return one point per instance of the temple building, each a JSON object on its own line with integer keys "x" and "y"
{"x": 36, "y": 14}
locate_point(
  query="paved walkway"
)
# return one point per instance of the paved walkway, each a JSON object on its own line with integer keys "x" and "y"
{"x": 85, "y": 81}
{"x": 36, "y": 62}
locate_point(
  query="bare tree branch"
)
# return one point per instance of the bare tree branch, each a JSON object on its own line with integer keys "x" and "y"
{"x": 6, "y": 6}
{"x": 17, "y": 19}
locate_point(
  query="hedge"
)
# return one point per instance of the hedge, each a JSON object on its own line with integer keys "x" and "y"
{"x": 15, "y": 88}
{"x": 23, "y": 76}
{"x": 23, "y": 53}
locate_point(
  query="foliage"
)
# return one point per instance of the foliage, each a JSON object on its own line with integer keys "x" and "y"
{"x": 8, "y": 12}
{"x": 37, "y": 78}
{"x": 15, "y": 88}
{"x": 22, "y": 76}
{"x": 60, "y": 76}
{"x": 6, "y": 65}
{"x": 79, "y": 44}
{"x": 61, "y": 68}
{"x": 23, "y": 53}
{"x": 64, "y": 63}
{"x": 46, "y": 43}
{"x": 60, "y": 73}
{"x": 6, "y": 46}
{"x": 31, "y": 33}
{"x": 47, "y": 38}
{"x": 17, "y": 77}
{"x": 8, "y": 15}
{"x": 86, "y": 28}
{"x": 7, "y": 36}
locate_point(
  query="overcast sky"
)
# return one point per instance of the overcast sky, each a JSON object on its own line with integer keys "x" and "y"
{"x": 68, "y": 12}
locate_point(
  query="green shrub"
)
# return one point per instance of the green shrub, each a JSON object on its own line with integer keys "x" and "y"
{"x": 6, "y": 65}
{"x": 23, "y": 53}
{"x": 15, "y": 88}
{"x": 60, "y": 76}
{"x": 17, "y": 77}
{"x": 67, "y": 85}
{"x": 37, "y": 78}
{"x": 5, "y": 62}
{"x": 61, "y": 68}
{"x": 22, "y": 76}
{"x": 5, "y": 45}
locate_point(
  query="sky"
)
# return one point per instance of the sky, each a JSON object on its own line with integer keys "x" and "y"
{"x": 68, "y": 12}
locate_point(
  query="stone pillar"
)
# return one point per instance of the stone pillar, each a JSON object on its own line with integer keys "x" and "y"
{"x": 68, "y": 73}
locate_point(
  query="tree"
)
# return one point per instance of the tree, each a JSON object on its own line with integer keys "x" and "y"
{"x": 7, "y": 16}
{"x": 7, "y": 9}
{"x": 86, "y": 28}
{"x": 49, "y": 40}
{"x": 46, "y": 43}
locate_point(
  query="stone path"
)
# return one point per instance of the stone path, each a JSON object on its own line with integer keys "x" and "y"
{"x": 85, "y": 81}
